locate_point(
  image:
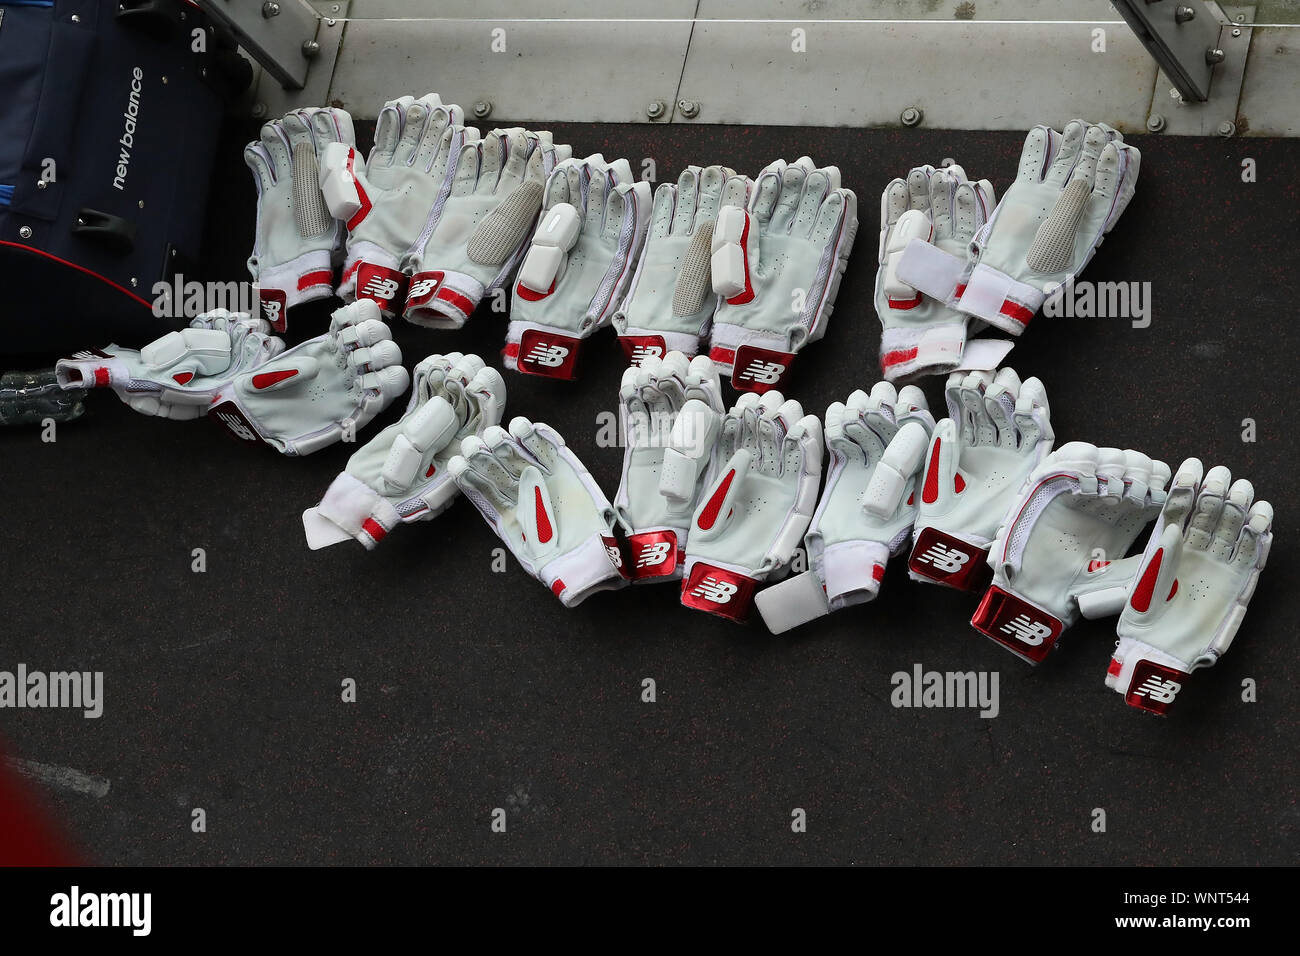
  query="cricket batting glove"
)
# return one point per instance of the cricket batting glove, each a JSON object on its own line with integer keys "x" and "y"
{"x": 877, "y": 445}
{"x": 998, "y": 430}
{"x": 1060, "y": 550}
{"x": 401, "y": 474}
{"x": 578, "y": 266}
{"x": 750, "y": 520}
{"x": 298, "y": 242}
{"x": 922, "y": 331}
{"x": 671, "y": 410}
{"x": 1070, "y": 190}
{"x": 1198, "y": 574}
{"x": 481, "y": 230}
{"x": 178, "y": 375}
{"x": 777, "y": 262}
{"x": 319, "y": 392}
{"x": 540, "y": 500}
{"x": 387, "y": 200}
{"x": 670, "y": 304}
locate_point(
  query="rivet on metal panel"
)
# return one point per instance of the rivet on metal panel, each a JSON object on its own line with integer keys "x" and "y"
{"x": 25, "y": 232}
{"x": 41, "y": 184}
{"x": 310, "y": 49}
{"x": 1183, "y": 14}
{"x": 482, "y": 109}
{"x": 655, "y": 109}
{"x": 1236, "y": 32}
{"x": 688, "y": 108}
{"x": 1213, "y": 55}
{"x": 76, "y": 18}
{"x": 1155, "y": 123}
{"x": 1227, "y": 128}
{"x": 911, "y": 116}
{"x": 270, "y": 10}
{"x": 134, "y": 282}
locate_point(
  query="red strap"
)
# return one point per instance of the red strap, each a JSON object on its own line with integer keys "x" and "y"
{"x": 718, "y": 591}
{"x": 949, "y": 561}
{"x": 1027, "y": 631}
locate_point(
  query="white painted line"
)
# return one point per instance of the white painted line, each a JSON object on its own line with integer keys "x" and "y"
{"x": 64, "y": 778}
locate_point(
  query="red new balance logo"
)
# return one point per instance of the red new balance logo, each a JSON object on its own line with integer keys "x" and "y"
{"x": 1026, "y": 631}
{"x": 711, "y": 589}
{"x": 764, "y": 373}
{"x": 947, "y": 560}
{"x": 653, "y": 554}
{"x": 551, "y": 356}
{"x": 1161, "y": 691}
{"x": 642, "y": 352}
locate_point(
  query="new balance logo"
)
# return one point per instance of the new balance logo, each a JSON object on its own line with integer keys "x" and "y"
{"x": 237, "y": 426}
{"x": 1026, "y": 631}
{"x": 653, "y": 554}
{"x": 764, "y": 373}
{"x": 422, "y": 287}
{"x": 379, "y": 288}
{"x": 1160, "y": 691}
{"x": 615, "y": 555}
{"x": 552, "y": 356}
{"x": 711, "y": 589}
{"x": 642, "y": 352}
{"x": 272, "y": 311}
{"x": 947, "y": 560}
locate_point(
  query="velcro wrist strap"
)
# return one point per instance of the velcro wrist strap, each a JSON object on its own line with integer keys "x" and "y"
{"x": 640, "y": 344}
{"x": 719, "y": 591}
{"x": 350, "y": 509}
{"x": 1023, "y": 628}
{"x": 794, "y": 601}
{"x": 655, "y": 556}
{"x": 306, "y": 278}
{"x": 928, "y": 269}
{"x": 944, "y": 559}
{"x": 1153, "y": 687}
{"x": 537, "y": 350}
{"x": 933, "y": 349}
{"x": 442, "y": 299}
{"x": 853, "y": 569}
{"x": 1000, "y": 300}
{"x": 595, "y": 565}
{"x": 984, "y": 355}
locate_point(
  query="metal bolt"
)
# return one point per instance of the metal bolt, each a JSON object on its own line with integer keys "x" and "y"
{"x": 1213, "y": 55}
{"x": 76, "y": 18}
{"x": 134, "y": 282}
{"x": 656, "y": 109}
{"x": 140, "y": 203}
{"x": 1227, "y": 128}
{"x": 310, "y": 49}
{"x": 1183, "y": 14}
{"x": 164, "y": 79}
{"x": 335, "y": 7}
{"x": 910, "y": 116}
{"x": 41, "y": 184}
{"x": 330, "y": 21}
{"x": 482, "y": 109}
{"x": 270, "y": 10}
{"x": 1236, "y": 32}
{"x": 25, "y": 232}
{"x": 1241, "y": 18}
{"x": 1155, "y": 123}
{"x": 688, "y": 108}
{"x": 259, "y": 109}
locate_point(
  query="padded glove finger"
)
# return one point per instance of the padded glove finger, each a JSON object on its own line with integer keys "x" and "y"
{"x": 401, "y": 474}
{"x": 544, "y": 505}
{"x": 1197, "y": 576}
{"x": 578, "y": 265}
{"x": 320, "y": 391}
{"x": 178, "y": 375}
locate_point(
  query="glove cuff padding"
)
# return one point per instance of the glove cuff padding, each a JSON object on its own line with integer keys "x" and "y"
{"x": 1149, "y": 678}
{"x": 848, "y": 573}
{"x": 541, "y": 350}
{"x": 921, "y": 350}
{"x": 1021, "y": 626}
{"x": 442, "y": 299}
{"x": 306, "y": 278}
{"x": 372, "y": 272}
{"x": 1000, "y": 300}
{"x": 757, "y": 361}
{"x": 950, "y": 560}
{"x": 726, "y": 591}
{"x": 350, "y": 509}
{"x": 595, "y": 565}
{"x": 640, "y": 344}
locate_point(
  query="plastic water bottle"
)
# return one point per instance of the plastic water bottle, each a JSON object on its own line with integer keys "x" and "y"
{"x": 28, "y": 398}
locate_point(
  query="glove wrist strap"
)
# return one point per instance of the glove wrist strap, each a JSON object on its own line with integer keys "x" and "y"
{"x": 595, "y": 565}
{"x": 639, "y": 344}
{"x": 930, "y": 349}
{"x": 928, "y": 269}
{"x": 442, "y": 299}
{"x": 1022, "y": 627}
{"x": 1148, "y": 678}
{"x": 308, "y": 277}
{"x": 655, "y": 555}
{"x": 541, "y": 350}
{"x": 948, "y": 560}
{"x": 722, "y": 591}
{"x": 1000, "y": 300}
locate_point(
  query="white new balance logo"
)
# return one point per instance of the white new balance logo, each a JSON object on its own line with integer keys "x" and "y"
{"x": 271, "y": 310}
{"x": 615, "y": 555}
{"x": 422, "y": 287}
{"x": 1026, "y": 631}
{"x": 653, "y": 554}
{"x": 947, "y": 560}
{"x": 551, "y": 356}
{"x": 711, "y": 589}
{"x": 1161, "y": 691}
{"x": 765, "y": 373}
{"x": 236, "y": 426}
{"x": 380, "y": 288}
{"x": 642, "y": 352}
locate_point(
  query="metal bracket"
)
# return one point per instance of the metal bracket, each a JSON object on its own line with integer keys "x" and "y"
{"x": 1172, "y": 113}
{"x": 1182, "y": 36}
{"x": 278, "y": 34}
